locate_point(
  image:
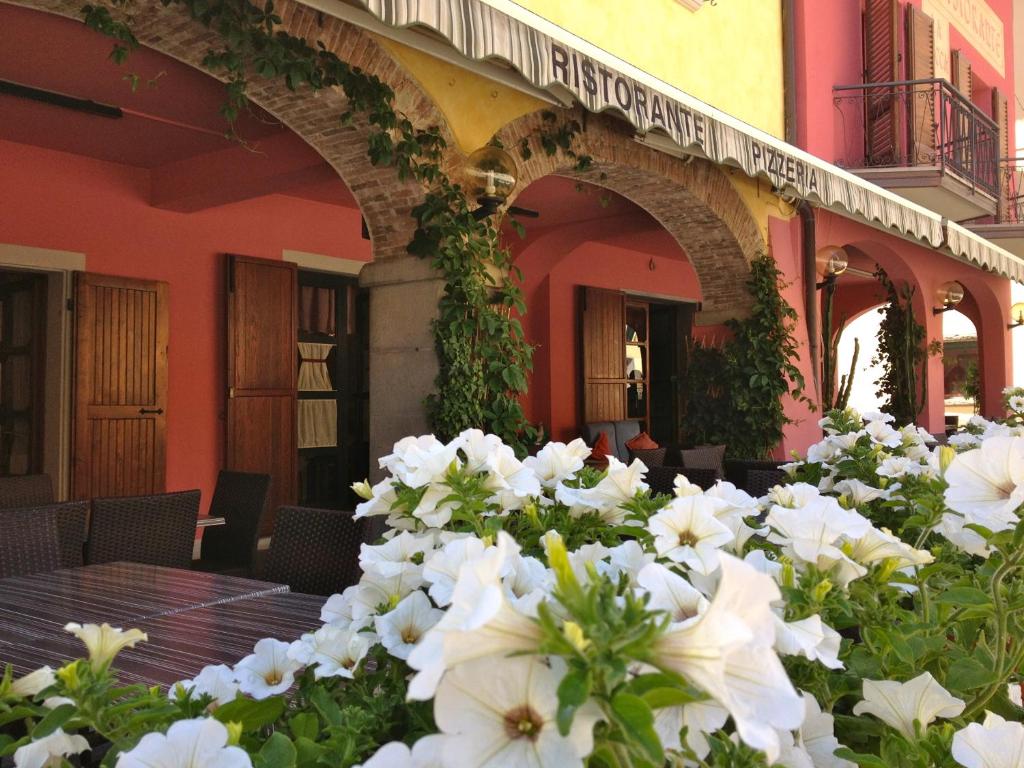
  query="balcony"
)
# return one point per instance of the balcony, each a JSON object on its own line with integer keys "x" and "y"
{"x": 1007, "y": 229}
{"x": 923, "y": 140}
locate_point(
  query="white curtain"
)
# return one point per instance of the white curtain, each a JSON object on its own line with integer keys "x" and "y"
{"x": 313, "y": 373}
{"x": 318, "y": 423}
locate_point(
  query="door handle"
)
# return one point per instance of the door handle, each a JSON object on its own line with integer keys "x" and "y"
{"x": 157, "y": 411}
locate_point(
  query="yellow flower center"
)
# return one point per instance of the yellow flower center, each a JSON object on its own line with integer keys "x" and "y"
{"x": 410, "y": 635}
{"x": 272, "y": 678}
{"x": 687, "y": 539}
{"x": 523, "y": 723}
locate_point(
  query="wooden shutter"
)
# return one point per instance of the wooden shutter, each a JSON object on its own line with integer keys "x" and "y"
{"x": 921, "y": 66}
{"x": 261, "y": 374}
{"x": 1001, "y": 114}
{"x": 603, "y": 347}
{"x": 962, "y": 77}
{"x": 120, "y": 386}
{"x": 881, "y": 65}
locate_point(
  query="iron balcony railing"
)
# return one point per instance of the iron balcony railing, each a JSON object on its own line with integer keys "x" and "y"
{"x": 915, "y": 123}
{"x": 1011, "y": 178}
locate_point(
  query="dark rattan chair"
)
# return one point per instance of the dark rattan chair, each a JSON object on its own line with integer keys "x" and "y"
{"x": 662, "y": 479}
{"x": 736, "y": 470}
{"x": 651, "y": 457}
{"x": 72, "y": 519}
{"x": 28, "y": 542}
{"x": 158, "y": 529}
{"x": 760, "y": 481}
{"x": 240, "y": 498}
{"x": 22, "y": 491}
{"x": 314, "y": 550}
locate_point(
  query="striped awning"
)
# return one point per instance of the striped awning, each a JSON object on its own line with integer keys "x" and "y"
{"x": 553, "y": 60}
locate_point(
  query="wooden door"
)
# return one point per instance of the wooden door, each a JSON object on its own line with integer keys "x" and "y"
{"x": 881, "y": 65}
{"x": 921, "y": 66}
{"x": 603, "y": 354}
{"x": 262, "y": 374}
{"x": 120, "y": 386}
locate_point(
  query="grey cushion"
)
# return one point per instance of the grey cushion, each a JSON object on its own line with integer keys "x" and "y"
{"x": 619, "y": 433}
{"x": 705, "y": 457}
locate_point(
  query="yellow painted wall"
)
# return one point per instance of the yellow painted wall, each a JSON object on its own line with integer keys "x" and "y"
{"x": 728, "y": 55}
{"x": 475, "y": 107}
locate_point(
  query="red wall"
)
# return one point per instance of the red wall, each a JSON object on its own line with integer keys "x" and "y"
{"x": 68, "y": 202}
{"x": 829, "y": 53}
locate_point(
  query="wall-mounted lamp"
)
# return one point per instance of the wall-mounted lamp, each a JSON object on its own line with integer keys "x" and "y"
{"x": 1017, "y": 315}
{"x": 832, "y": 261}
{"x": 490, "y": 177}
{"x": 949, "y": 295}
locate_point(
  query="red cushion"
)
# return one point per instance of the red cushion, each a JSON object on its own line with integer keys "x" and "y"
{"x": 642, "y": 442}
{"x": 601, "y": 449}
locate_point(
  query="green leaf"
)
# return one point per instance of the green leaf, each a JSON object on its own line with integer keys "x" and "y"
{"x": 573, "y": 692}
{"x": 658, "y": 698}
{"x": 967, "y": 674}
{"x": 326, "y": 706}
{"x": 964, "y": 596}
{"x": 868, "y": 761}
{"x": 54, "y": 720}
{"x": 252, "y": 714}
{"x": 305, "y": 724}
{"x": 277, "y": 752}
{"x": 637, "y": 722}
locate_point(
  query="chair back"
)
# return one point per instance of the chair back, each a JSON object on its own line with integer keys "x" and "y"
{"x": 20, "y": 491}
{"x": 158, "y": 529}
{"x": 662, "y": 479}
{"x": 28, "y": 542}
{"x": 760, "y": 481}
{"x": 241, "y": 499}
{"x": 314, "y": 550}
{"x": 72, "y": 519}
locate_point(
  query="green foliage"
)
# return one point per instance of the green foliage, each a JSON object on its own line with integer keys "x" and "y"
{"x": 482, "y": 353}
{"x": 901, "y": 355}
{"x": 972, "y": 384}
{"x": 734, "y": 394}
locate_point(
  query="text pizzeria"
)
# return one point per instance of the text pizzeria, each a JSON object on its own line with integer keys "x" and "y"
{"x": 782, "y": 167}
{"x": 578, "y": 73}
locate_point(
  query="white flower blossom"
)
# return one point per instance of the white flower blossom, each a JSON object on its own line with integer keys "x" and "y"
{"x": 268, "y": 670}
{"x": 400, "y": 629}
{"x": 557, "y": 462}
{"x": 104, "y": 642}
{"x": 33, "y": 683}
{"x": 214, "y": 680}
{"x": 395, "y": 557}
{"x": 901, "y": 705}
{"x": 335, "y": 651}
{"x": 687, "y": 531}
{"x": 671, "y": 593}
{"x": 49, "y": 750}
{"x": 986, "y": 484}
{"x": 994, "y": 743}
{"x": 419, "y": 461}
{"x": 198, "y": 743}
{"x": 441, "y": 568}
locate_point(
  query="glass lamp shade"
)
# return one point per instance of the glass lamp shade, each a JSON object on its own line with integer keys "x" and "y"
{"x": 832, "y": 261}
{"x": 1017, "y": 313}
{"x": 489, "y": 173}
{"x": 950, "y": 293}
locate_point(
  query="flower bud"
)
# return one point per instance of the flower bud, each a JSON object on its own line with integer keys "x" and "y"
{"x": 821, "y": 590}
{"x": 574, "y": 634}
{"x": 946, "y": 455}
{"x": 363, "y": 490}
{"x": 234, "y": 732}
{"x": 788, "y": 575}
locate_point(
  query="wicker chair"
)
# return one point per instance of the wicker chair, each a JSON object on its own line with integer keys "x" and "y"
{"x": 29, "y": 542}
{"x": 314, "y": 550}
{"x": 240, "y": 498}
{"x": 651, "y": 457}
{"x": 662, "y": 479}
{"x": 21, "y": 491}
{"x": 158, "y": 529}
{"x": 72, "y": 519}
{"x": 760, "y": 481}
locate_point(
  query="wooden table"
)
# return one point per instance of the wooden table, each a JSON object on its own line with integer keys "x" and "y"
{"x": 192, "y": 618}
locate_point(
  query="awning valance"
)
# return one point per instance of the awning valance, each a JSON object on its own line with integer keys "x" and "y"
{"x": 982, "y": 253}
{"x": 602, "y": 83}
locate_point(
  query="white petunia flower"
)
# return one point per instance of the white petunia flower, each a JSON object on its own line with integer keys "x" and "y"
{"x": 885, "y": 418}
{"x": 481, "y": 621}
{"x": 952, "y": 527}
{"x": 898, "y": 466}
{"x": 811, "y": 638}
{"x": 880, "y": 433}
{"x": 1015, "y": 693}
{"x": 104, "y": 642}
{"x": 501, "y": 712}
{"x": 900, "y": 705}
{"x": 629, "y": 558}
{"x": 859, "y": 492}
{"x": 728, "y": 653}
{"x": 49, "y": 750}
{"x": 336, "y": 651}
{"x": 877, "y": 545}
{"x": 671, "y": 593}
{"x": 699, "y": 718}
{"x": 810, "y": 533}
{"x": 617, "y": 487}
{"x": 994, "y": 743}
{"x": 681, "y": 486}
{"x": 214, "y": 680}
{"x": 374, "y": 593}
{"x": 509, "y": 479}
{"x": 687, "y": 531}
{"x": 986, "y": 484}
{"x": 382, "y": 498}
{"x": 33, "y": 683}
{"x": 425, "y": 753}
{"x": 401, "y": 628}
{"x": 267, "y": 671}
{"x": 395, "y": 557}
{"x": 817, "y": 736}
{"x": 198, "y": 743}
{"x": 419, "y": 461}
{"x": 338, "y": 608}
{"x": 558, "y": 462}
{"x": 441, "y": 568}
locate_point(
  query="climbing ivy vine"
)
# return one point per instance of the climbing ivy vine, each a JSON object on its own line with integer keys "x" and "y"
{"x": 901, "y": 354}
{"x": 483, "y": 356}
{"x": 734, "y": 392}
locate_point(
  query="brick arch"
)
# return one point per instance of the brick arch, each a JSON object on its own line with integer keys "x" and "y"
{"x": 692, "y": 199}
{"x": 384, "y": 201}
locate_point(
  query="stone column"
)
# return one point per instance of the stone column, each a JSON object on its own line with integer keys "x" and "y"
{"x": 404, "y": 292}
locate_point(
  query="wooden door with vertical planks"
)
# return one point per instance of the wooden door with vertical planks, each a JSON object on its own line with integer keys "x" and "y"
{"x": 120, "y": 386}
{"x": 921, "y": 66}
{"x": 603, "y": 354}
{"x": 262, "y": 372}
